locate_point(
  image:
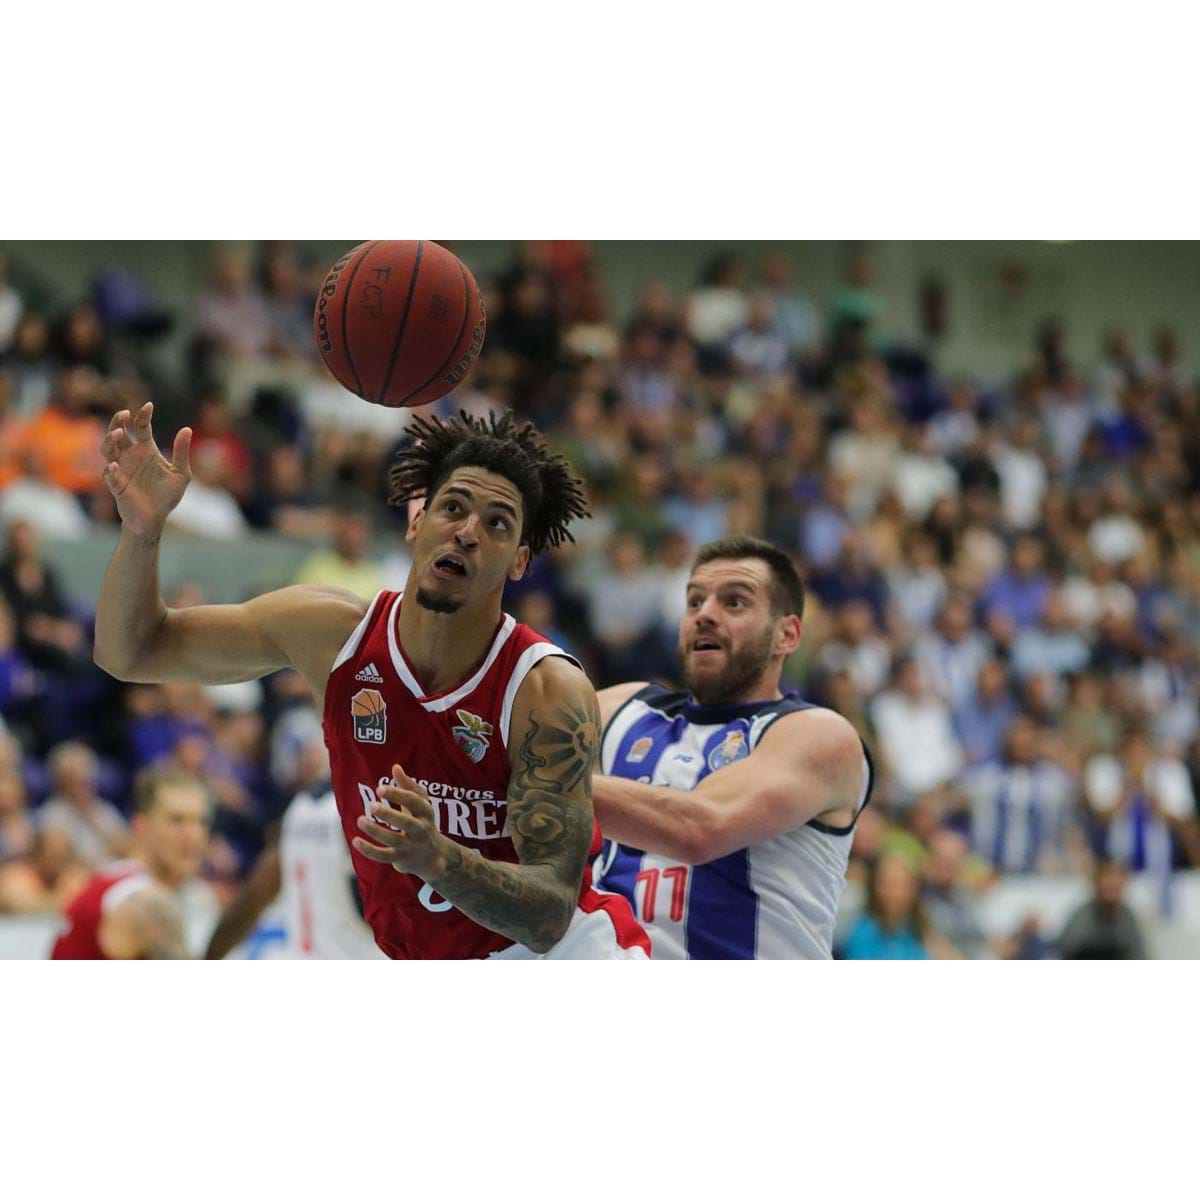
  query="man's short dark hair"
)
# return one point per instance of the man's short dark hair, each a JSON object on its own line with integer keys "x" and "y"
{"x": 552, "y": 497}
{"x": 787, "y": 588}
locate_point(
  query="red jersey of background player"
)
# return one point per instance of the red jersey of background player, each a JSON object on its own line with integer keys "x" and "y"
{"x": 455, "y": 745}
{"x": 105, "y": 890}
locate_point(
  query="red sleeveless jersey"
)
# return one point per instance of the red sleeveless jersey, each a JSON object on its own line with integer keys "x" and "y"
{"x": 81, "y": 938}
{"x": 455, "y": 744}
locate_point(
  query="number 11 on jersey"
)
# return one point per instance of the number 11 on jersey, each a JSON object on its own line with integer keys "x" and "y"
{"x": 650, "y": 877}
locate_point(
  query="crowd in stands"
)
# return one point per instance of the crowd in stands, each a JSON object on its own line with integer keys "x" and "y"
{"x": 1003, "y": 574}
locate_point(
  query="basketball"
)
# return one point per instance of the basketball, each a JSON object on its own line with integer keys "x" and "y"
{"x": 399, "y": 323}
{"x": 367, "y": 703}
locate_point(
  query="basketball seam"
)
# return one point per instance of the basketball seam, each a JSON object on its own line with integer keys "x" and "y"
{"x": 412, "y": 288}
{"x": 358, "y": 387}
{"x": 454, "y": 350}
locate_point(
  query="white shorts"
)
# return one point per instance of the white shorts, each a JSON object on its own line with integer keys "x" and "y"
{"x": 590, "y": 935}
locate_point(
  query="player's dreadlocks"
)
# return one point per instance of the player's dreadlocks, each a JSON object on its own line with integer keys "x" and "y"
{"x": 552, "y": 495}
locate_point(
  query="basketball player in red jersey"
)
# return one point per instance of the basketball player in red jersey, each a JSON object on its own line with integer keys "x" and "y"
{"x": 461, "y": 744}
{"x": 131, "y": 909}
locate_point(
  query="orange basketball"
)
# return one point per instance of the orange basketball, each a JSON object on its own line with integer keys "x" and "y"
{"x": 367, "y": 703}
{"x": 399, "y": 323}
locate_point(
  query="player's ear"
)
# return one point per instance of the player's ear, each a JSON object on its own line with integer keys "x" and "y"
{"x": 519, "y": 564}
{"x": 414, "y": 523}
{"x": 787, "y": 634}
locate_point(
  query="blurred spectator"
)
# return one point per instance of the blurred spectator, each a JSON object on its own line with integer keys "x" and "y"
{"x": 62, "y": 443}
{"x": 857, "y": 649}
{"x": 1143, "y": 805}
{"x": 207, "y": 508}
{"x": 45, "y": 881}
{"x": 894, "y": 925}
{"x": 908, "y": 715}
{"x": 287, "y": 500}
{"x": 718, "y": 305}
{"x": 11, "y": 307}
{"x": 1017, "y": 595}
{"x": 953, "y": 654}
{"x": 982, "y": 719}
{"x": 1021, "y": 808}
{"x": 1105, "y": 926}
{"x": 97, "y": 832}
{"x": 232, "y": 317}
{"x": 16, "y": 825}
{"x": 218, "y": 448}
{"x": 757, "y": 347}
{"x": 47, "y": 634}
{"x": 865, "y": 454}
{"x": 921, "y": 476}
{"x": 347, "y": 564}
{"x": 796, "y": 318}
{"x": 1023, "y": 476}
{"x": 12, "y": 433}
{"x": 698, "y": 511}
{"x": 946, "y": 896}
{"x": 917, "y": 585}
{"x": 623, "y": 607}
{"x": 1053, "y": 646}
{"x": 29, "y": 363}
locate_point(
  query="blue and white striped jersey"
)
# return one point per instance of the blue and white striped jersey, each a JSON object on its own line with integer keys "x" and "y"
{"x": 775, "y": 899}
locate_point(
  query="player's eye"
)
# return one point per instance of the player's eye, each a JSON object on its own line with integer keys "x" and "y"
{"x": 500, "y": 522}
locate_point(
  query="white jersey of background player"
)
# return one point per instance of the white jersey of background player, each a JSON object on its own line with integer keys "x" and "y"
{"x": 728, "y": 810}
{"x": 307, "y": 864}
{"x": 323, "y": 914}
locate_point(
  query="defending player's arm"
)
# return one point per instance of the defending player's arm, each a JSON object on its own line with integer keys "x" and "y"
{"x": 553, "y": 742}
{"x": 251, "y": 901}
{"x": 808, "y": 764}
{"x": 138, "y": 639}
{"x": 149, "y": 924}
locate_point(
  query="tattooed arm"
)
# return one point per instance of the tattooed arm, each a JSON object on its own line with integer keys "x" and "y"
{"x": 552, "y": 746}
{"x": 147, "y": 925}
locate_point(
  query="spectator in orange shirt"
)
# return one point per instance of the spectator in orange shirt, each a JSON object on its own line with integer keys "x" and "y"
{"x": 63, "y": 440}
{"x": 12, "y": 433}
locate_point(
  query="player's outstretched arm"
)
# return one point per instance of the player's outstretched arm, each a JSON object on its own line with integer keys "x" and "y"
{"x": 147, "y": 925}
{"x": 140, "y": 640}
{"x": 808, "y": 764}
{"x": 553, "y": 742}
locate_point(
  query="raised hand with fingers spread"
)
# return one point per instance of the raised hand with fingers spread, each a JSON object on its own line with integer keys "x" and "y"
{"x": 145, "y": 485}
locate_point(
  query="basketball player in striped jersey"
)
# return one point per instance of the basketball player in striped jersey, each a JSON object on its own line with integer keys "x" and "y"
{"x": 131, "y": 909}
{"x": 728, "y": 810}
{"x": 461, "y": 744}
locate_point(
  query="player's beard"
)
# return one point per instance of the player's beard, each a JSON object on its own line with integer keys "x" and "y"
{"x": 743, "y": 668}
{"x": 437, "y": 604}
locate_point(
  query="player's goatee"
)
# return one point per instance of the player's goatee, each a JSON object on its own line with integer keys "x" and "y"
{"x": 437, "y": 604}
{"x": 742, "y": 670}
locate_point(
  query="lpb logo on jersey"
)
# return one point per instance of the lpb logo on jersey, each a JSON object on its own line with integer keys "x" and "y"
{"x": 729, "y": 749}
{"x": 472, "y": 735}
{"x": 369, "y": 712}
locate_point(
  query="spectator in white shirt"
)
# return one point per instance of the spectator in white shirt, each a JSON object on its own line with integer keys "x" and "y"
{"x": 1022, "y": 473}
{"x": 1143, "y": 805}
{"x": 920, "y": 476}
{"x": 915, "y": 733}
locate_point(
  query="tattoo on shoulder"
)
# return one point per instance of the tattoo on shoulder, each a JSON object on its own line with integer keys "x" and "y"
{"x": 552, "y": 777}
{"x": 159, "y": 921}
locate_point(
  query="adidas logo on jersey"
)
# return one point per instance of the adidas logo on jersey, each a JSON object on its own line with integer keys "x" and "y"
{"x": 369, "y": 674}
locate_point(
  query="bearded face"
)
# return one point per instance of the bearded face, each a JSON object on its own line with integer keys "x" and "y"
{"x": 728, "y": 645}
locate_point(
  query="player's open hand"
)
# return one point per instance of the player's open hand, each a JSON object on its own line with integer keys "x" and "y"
{"x": 146, "y": 486}
{"x": 402, "y": 829}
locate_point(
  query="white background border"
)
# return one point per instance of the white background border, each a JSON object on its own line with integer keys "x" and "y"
{"x": 227, "y": 121}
